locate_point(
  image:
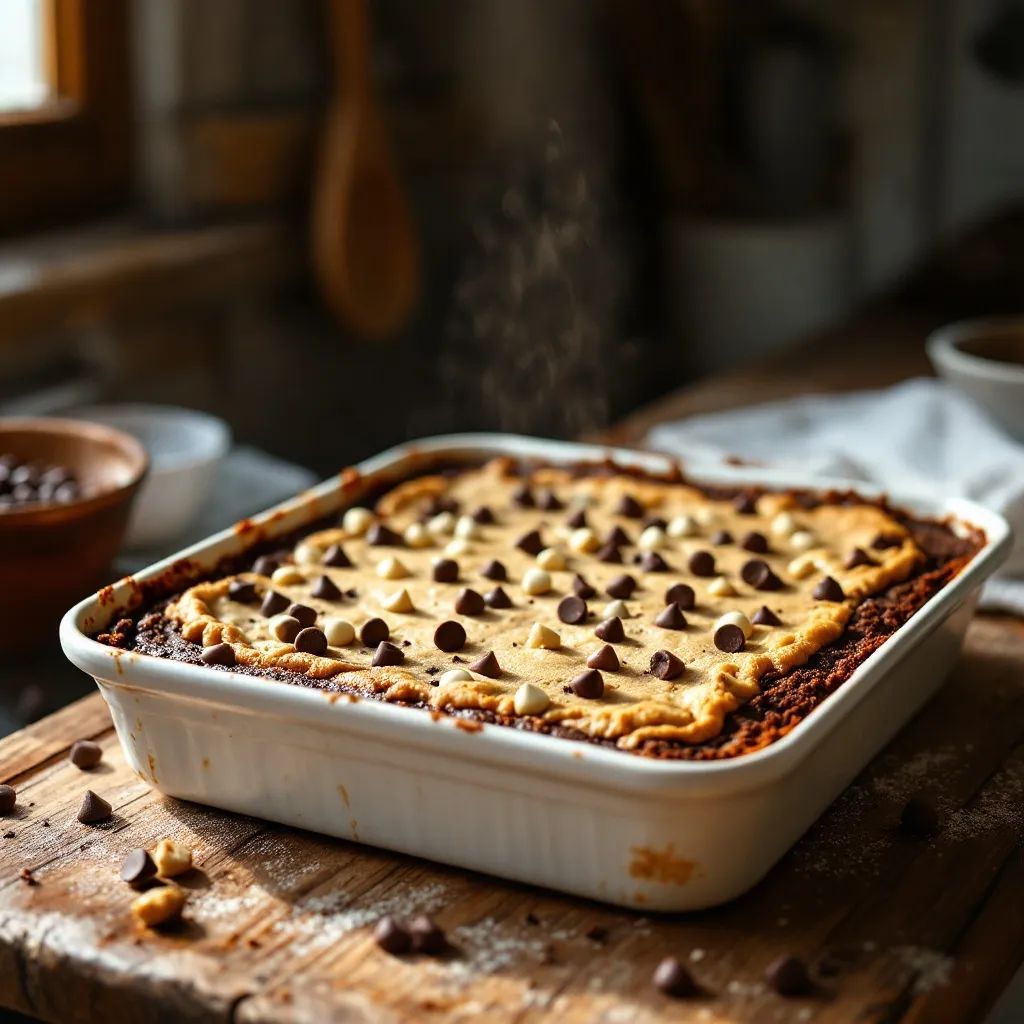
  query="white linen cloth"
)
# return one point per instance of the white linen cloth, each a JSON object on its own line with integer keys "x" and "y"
{"x": 919, "y": 438}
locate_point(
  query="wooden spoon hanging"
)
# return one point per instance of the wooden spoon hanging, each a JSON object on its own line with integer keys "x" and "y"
{"x": 365, "y": 251}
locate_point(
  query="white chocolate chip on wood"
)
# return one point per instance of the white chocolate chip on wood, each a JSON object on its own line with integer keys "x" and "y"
{"x": 536, "y": 581}
{"x": 171, "y": 858}
{"x": 416, "y": 535}
{"x": 721, "y": 587}
{"x": 584, "y": 540}
{"x": 159, "y": 905}
{"x": 399, "y": 601}
{"x": 530, "y": 700}
{"x": 287, "y": 575}
{"x": 391, "y": 569}
{"x": 735, "y": 618}
{"x": 339, "y": 632}
{"x": 544, "y": 638}
{"x": 651, "y": 539}
{"x": 551, "y": 559}
{"x": 356, "y": 521}
{"x": 682, "y": 526}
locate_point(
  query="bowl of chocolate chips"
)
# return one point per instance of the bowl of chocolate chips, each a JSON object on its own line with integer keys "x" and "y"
{"x": 66, "y": 490}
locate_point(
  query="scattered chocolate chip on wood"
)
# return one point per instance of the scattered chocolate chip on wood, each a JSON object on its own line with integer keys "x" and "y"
{"x": 93, "y": 809}
{"x": 8, "y": 799}
{"x": 789, "y": 976}
{"x": 919, "y": 818}
{"x": 392, "y": 936}
{"x": 427, "y": 935}
{"x": 672, "y": 978}
{"x": 85, "y": 754}
{"x": 138, "y": 868}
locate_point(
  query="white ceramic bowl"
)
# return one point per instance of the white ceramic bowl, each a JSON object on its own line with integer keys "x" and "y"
{"x": 985, "y": 359}
{"x": 185, "y": 450}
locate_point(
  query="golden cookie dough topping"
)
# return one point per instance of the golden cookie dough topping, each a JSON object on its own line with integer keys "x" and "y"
{"x": 627, "y": 608}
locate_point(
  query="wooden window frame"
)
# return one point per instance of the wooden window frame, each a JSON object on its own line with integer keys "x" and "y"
{"x": 72, "y": 156}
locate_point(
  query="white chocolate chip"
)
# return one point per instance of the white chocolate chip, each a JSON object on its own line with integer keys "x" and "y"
{"x": 286, "y": 575}
{"x": 308, "y": 554}
{"x": 156, "y": 906}
{"x": 455, "y": 675}
{"x": 802, "y": 540}
{"x": 801, "y": 566}
{"x": 682, "y": 526}
{"x": 416, "y": 535}
{"x": 399, "y": 601}
{"x": 536, "y": 581}
{"x": 734, "y": 619}
{"x": 721, "y": 587}
{"x": 530, "y": 700}
{"x": 339, "y": 632}
{"x": 171, "y": 858}
{"x": 651, "y": 539}
{"x": 356, "y": 521}
{"x": 783, "y": 525}
{"x": 551, "y": 559}
{"x": 541, "y": 636}
{"x": 705, "y": 515}
{"x": 584, "y": 540}
{"x": 615, "y": 610}
{"x": 467, "y": 527}
{"x": 284, "y": 628}
{"x": 442, "y": 523}
{"x": 458, "y": 546}
{"x": 391, "y": 569}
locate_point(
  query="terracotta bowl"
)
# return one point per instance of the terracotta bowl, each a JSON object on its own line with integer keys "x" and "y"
{"x": 53, "y": 555}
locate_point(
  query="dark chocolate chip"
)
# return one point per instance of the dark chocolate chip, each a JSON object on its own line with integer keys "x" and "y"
{"x": 653, "y": 562}
{"x": 391, "y": 936}
{"x": 287, "y": 629}
{"x": 618, "y": 537}
{"x": 589, "y": 684}
{"x": 745, "y": 504}
{"x": 8, "y": 798}
{"x": 486, "y": 666}
{"x": 754, "y": 571}
{"x": 919, "y": 818}
{"x": 608, "y": 553}
{"x": 374, "y": 631}
{"x": 755, "y": 542}
{"x": 550, "y": 502}
{"x": 672, "y": 978}
{"x": 523, "y": 496}
{"x": 380, "y": 535}
{"x": 494, "y": 570}
{"x": 387, "y": 654}
{"x": 858, "y": 556}
{"x": 665, "y": 665}
{"x": 138, "y": 868}
{"x": 483, "y": 515}
{"x": 336, "y": 558}
{"x": 720, "y": 537}
{"x": 427, "y": 936}
{"x": 621, "y": 587}
{"x": 671, "y": 617}
{"x": 702, "y": 563}
{"x": 628, "y": 506}
{"x": 604, "y": 658}
{"x": 242, "y": 591}
{"x": 581, "y": 588}
{"x": 572, "y": 610}
{"x": 265, "y": 565}
{"x": 85, "y": 754}
{"x": 450, "y": 636}
{"x": 730, "y": 638}
{"x": 273, "y": 604}
{"x": 218, "y": 654}
{"x": 497, "y": 598}
{"x": 325, "y": 589}
{"x": 657, "y": 521}
{"x": 681, "y": 594}
{"x": 302, "y": 613}
{"x": 445, "y": 570}
{"x": 311, "y": 641}
{"x": 531, "y": 543}
{"x": 611, "y": 630}
{"x": 884, "y": 541}
{"x": 768, "y": 581}
{"x": 788, "y": 976}
{"x": 94, "y": 809}
{"x": 578, "y": 520}
{"x": 764, "y": 616}
{"x": 828, "y": 590}
{"x": 469, "y": 602}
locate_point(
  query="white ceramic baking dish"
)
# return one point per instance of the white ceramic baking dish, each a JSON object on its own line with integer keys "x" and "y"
{"x": 657, "y": 835}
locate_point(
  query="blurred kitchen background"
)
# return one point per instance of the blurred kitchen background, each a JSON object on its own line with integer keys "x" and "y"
{"x": 574, "y": 206}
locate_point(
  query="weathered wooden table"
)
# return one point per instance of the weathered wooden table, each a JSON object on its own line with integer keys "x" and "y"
{"x": 278, "y": 923}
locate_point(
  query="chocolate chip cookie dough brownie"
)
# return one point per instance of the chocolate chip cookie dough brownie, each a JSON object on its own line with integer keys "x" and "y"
{"x": 589, "y": 603}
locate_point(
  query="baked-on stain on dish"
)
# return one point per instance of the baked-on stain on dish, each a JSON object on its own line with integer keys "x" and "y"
{"x": 151, "y": 761}
{"x": 661, "y": 866}
{"x": 343, "y": 793}
{"x": 467, "y": 725}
